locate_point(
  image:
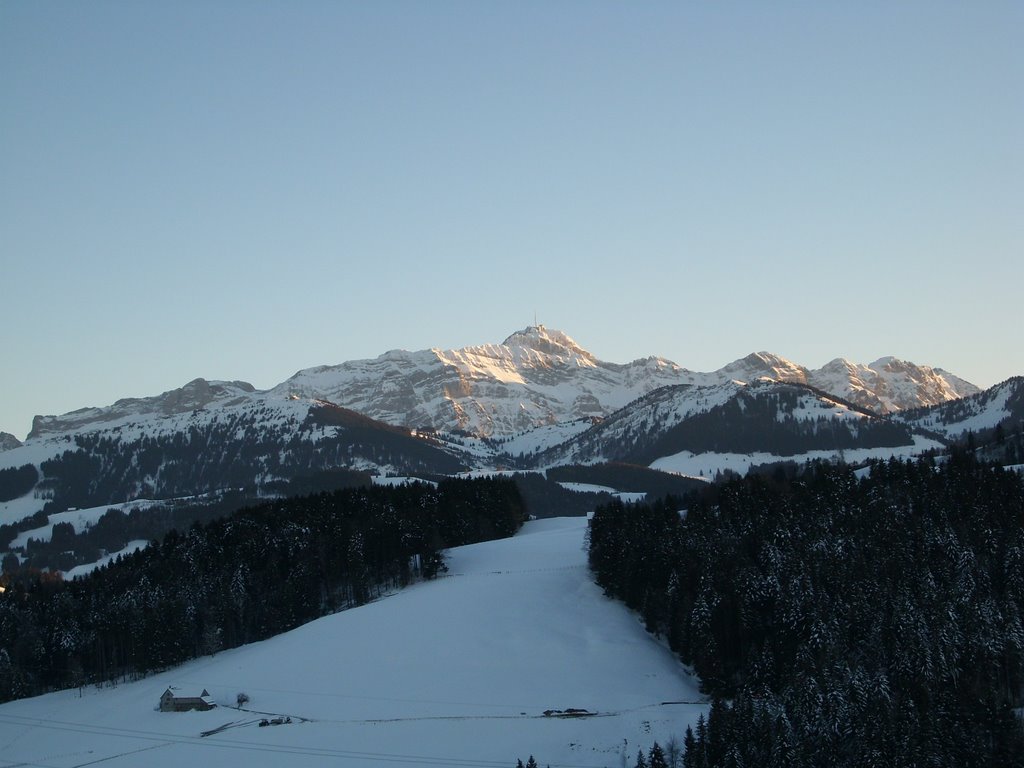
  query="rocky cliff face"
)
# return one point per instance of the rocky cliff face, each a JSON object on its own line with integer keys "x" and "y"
{"x": 888, "y": 384}
{"x": 885, "y": 386}
{"x": 8, "y": 441}
{"x": 536, "y": 376}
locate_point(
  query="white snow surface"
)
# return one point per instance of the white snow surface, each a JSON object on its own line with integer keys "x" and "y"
{"x": 394, "y": 481}
{"x": 983, "y": 412}
{"x": 707, "y": 464}
{"x": 544, "y": 436}
{"x": 626, "y": 496}
{"x": 81, "y": 519}
{"x": 266, "y": 410}
{"x": 19, "y": 509}
{"x": 87, "y": 568}
{"x": 455, "y": 672}
{"x": 587, "y": 488}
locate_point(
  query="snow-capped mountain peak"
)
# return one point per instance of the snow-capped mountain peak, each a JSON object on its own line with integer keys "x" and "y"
{"x": 758, "y": 365}
{"x": 537, "y": 376}
{"x": 886, "y": 385}
{"x": 549, "y": 342}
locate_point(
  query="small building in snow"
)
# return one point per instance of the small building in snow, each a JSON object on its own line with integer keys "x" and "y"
{"x": 179, "y": 700}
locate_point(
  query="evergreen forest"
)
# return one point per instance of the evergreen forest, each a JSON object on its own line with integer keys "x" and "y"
{"x": 261, "y": 571}
{"x": 837, "y": 619}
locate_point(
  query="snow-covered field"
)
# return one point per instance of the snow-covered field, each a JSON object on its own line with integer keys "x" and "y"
{"x": 403, "y": 480}
{"x": 80, "y": 519}
{"x": 455, "y": 672}
{"x": 706, "y": 465}
{"x": 626, "y": 496}
{"x": 86, "y": 568}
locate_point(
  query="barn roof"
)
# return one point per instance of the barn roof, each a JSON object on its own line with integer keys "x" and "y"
{"x": 187, "y": 693}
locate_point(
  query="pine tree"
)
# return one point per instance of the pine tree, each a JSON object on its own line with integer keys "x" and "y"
{"x": 641, "y": 761}
{"x": 531, "y": 763}
{"x": 701, "y": 747}
{"x": 656, "y": 757}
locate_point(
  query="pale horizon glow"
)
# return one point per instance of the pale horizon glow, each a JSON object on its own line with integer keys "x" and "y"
{"x": 235, "y": 191}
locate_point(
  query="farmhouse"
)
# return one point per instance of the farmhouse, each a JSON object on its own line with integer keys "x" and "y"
{"x": 178, "y": 700}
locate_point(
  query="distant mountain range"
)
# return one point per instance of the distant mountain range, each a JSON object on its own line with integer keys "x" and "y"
{"x": 536, "y": 401}
{"x": 537, "y": 376}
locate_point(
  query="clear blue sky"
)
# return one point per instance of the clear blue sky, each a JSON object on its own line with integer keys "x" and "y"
{"x": 237, "y": 190}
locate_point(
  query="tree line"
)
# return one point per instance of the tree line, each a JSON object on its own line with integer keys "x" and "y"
{"x": 261, "y": 571}
{"x": 838, "y": 620}
{"x": 17, "y": 481}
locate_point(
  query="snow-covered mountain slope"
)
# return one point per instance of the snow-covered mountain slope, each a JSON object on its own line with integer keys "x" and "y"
{"x": 710, "y": 464}
{"x": 774, "y": 419}
{"x": 617, "y": 437}
{"x": 252, "y": 441}
{"x": 884, "y": 386}
{"x": 197, "y": 394}
{"x": 1001, "y": 404}
{"x": 458, "y": 671}
{"x": 755, "y": 366}
{"x": 536, "y": 376}
{"x": 888, "y": 385}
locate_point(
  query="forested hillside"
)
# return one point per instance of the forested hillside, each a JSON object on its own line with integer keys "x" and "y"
{"x": 849, "y": 622}
{"x": 782, "y": 419}
{"x": 233, "y": 448}
{"x": 258, "y": 573}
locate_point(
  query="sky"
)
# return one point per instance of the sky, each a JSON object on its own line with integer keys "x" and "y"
{"x": 237, "y": 190}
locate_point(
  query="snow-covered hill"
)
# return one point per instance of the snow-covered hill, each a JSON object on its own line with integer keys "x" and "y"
{"x": 767, "y": 421}
{"x": 195, "y": 395}
{"x": 1001, "y": 404}
{"x": 253, "y": 441}
{"x": 455, "y": 672}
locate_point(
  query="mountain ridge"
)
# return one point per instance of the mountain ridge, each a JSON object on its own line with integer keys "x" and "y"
{"x": 536, "y": 376}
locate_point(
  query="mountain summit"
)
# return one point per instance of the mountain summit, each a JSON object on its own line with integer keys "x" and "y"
{"x": 548, "y": 342}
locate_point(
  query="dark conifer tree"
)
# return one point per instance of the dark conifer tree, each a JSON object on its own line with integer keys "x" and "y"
{"x": 690, "y": 749}
{"x": 656, "y": 757}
